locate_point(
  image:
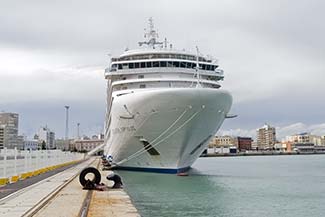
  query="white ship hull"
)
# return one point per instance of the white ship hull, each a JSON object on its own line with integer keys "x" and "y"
{"x": 164, "y": 129}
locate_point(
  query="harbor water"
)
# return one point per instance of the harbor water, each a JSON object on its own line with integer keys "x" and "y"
{"x": 234, "y": 186}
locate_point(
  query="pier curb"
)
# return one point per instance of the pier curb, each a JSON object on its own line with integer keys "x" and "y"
{"x": 26, "y": 175}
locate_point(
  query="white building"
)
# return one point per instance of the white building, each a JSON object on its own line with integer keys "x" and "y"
{"x": 46, "y": 137}
{"x": 31, "y": 144}
{"x": 304, "y": 138}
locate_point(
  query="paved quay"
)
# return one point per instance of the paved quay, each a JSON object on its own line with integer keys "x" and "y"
{"x": 61, "y": 195}
{"x": 13, "y": 187}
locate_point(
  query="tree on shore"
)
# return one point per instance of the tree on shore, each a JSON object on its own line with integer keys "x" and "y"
{"x": 43, "y": 145}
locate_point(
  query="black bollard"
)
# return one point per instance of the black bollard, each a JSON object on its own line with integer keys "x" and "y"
{"x": 116, "y": 179}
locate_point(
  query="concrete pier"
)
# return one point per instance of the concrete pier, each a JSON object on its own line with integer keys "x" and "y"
{"x": 114, "y": 202}
{"x": 62, "y": 195}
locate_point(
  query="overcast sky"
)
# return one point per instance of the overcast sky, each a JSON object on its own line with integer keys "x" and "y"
{"x": 53, "y": 53}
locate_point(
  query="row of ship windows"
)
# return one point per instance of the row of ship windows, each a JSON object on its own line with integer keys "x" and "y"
{"x": 160, "y": 56}
{"x": 144, "y": 86}
{"x": 157, "y": 64}
{"x": 195, "y": 76}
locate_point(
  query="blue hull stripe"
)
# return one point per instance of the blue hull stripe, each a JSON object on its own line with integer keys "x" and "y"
{"x": 154, "y": 170}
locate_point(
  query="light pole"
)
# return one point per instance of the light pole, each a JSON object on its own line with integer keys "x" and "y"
{"x": 78, "y": 128}
{"x": 66, "y": 122}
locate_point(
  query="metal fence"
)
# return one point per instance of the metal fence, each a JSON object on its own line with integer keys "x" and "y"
{"x": 15, "y": 162}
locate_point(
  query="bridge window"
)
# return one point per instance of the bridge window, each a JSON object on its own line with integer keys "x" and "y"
{"x": 155, "y": 64}
{"x": 125, "y": 65}
{"x": 176, "y": 64}
{"x": 140, "y": 76}
{"x": 163, "y": 64}
{"x": 142, "y": 86}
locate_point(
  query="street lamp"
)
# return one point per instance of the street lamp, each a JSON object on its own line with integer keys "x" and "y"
{"x": 66, "y": 122}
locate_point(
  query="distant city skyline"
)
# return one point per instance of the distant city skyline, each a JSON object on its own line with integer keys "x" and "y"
{"x": 54, "y": 54}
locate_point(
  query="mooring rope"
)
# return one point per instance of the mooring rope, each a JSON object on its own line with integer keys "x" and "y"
{"x": 168, "y": 128}
{"x": 157, "y": 143}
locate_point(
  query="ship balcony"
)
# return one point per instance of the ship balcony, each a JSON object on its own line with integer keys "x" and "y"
{"x": 160, "y": 81}
{"x": 109, "y": 72}
{"x": 219, "y": 72}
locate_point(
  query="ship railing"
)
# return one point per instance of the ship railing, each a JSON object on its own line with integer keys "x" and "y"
{"x": 219, "y": 72}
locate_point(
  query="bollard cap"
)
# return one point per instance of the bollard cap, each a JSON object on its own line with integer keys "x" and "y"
{"x": 110, "y": 176}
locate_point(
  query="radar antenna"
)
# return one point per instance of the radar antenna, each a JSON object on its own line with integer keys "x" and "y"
{"x": 152, "y": 36}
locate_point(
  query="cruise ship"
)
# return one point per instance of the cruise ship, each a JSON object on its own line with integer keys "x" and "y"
{"x": 163, "y": 106}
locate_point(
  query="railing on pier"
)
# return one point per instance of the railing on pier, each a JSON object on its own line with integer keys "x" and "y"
{"x": 15, "y": 162}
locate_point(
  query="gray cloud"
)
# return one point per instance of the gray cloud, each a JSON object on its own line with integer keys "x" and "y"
{"x": 54, "y": 52}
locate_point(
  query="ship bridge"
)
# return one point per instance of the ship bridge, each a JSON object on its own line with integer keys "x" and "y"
{"x": 158, "y": 65}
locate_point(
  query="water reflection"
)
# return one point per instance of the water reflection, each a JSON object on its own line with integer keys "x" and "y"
{"x": 248, "y": 186}
{"x": 171, "y": 195}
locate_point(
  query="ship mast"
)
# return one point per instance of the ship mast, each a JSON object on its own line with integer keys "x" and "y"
{"x": 197, "y": 68}
{"x": 152, "y": 36}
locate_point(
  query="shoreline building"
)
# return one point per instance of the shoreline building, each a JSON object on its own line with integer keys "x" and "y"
{"x": 223, "y": 144}
{"x": 306, "y": 138}
{"x": 46, "y": 137}
{"x": 306, "y": 142}
{"x": 222, "y": 141}
{"x": 32, "y": 144}
{"x": 244, "y": 143}
{"x": 2, "y": 134}
{"x": 9, "y": 131}
{"x": 266, "y": 137}
{"x": 63, "y": 144}
{"x": 85, "y": 145}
